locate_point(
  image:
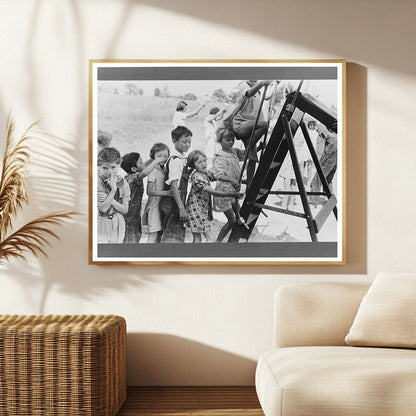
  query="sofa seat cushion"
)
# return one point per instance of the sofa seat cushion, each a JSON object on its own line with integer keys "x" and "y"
{"x": 341, "y": 381}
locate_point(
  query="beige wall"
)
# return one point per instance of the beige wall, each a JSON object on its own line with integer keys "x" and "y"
{"x": 204, "y": 325}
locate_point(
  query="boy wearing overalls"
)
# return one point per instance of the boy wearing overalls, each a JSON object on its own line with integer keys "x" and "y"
{"x": 173, "y": 208}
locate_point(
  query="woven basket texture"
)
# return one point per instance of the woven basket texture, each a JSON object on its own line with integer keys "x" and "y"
{"x": 53, "y": 365}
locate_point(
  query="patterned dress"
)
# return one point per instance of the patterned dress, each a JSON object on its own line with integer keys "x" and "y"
{"x": 198, "y": 206}
{"x": 225, "y": 163}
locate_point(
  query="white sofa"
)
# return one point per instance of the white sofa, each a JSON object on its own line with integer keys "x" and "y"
{"x": 311, "y": 371}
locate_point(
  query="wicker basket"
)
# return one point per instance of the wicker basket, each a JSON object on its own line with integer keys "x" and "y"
{"x": 71, "y": 365}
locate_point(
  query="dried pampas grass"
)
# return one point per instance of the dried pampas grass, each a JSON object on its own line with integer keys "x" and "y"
{"x": 34, "y": 236}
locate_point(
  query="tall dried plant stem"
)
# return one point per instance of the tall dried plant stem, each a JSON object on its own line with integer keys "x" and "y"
{"x": 34, "y": 236}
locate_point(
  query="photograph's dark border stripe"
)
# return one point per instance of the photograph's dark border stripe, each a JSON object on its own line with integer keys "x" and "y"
{"x": 178, "y": 73}
{"x": 236, "y": 251}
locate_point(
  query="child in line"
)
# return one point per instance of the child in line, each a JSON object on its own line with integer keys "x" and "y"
{"x": 210, "y": 124}
{"x": 242, "y": 120}
{"x": 226, "y": 168}
{"x": 180, "y": 116}
{"x": 104, "y": 139}
{"x": 199, "y": 206}
{"x": 132, "y": 164}
{"x": 152, "y": 218}
{"x": 113, "y": 196}
{"x": 173, "y": 208}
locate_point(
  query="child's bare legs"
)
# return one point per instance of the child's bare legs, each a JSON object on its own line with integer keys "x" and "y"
{"x": 228, "y": 225}
{"x": 196, "y": 237}
{"x": 236, "y": 209}
{"x": 239, "y": 219}
{"x": 245, "y": 134}
{"x": 285, "y": 198}
{"x": 154, "y": 237}
{"x": 288, "y": 200}
{"x": 260, "y": 131}
{"x": 208, "y": 235}
{"x": 293, "y": 188}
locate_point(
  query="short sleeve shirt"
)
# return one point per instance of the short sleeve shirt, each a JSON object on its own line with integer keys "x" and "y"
{"x": 226, "y": 163}
{"x": 176, "y": 163}
{"x": 179, "y": 119}
{"x": 250, "y": 107}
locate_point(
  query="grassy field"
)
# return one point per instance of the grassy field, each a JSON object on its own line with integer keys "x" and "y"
{"x": 137, "y": 122}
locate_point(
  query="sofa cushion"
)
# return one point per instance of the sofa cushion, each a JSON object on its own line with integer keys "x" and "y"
{"x": 315, "y": 314}
{"x": 387, "y": 314}
{"x": 342, "y": 381}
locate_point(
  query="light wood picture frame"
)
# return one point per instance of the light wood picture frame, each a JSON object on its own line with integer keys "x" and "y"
{"x": 288, "y": 207}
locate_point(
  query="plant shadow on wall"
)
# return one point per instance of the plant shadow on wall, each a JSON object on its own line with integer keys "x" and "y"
{"x": 307, "y": 24}
{"x": 53, "y": 185}
{"x": 59, "y": 181}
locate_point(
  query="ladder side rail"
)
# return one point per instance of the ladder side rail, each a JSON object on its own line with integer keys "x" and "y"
{"x": 279, "y": 157}
{"x": 275, "y": 152}
{"x": 250, "y": 142}
{"x": 264, "y": 177}
{"x": 311, "y": 106}
{"x": 261, "y": 198}
{"x": 317, "y": 164}
{"x": 259, "y": 203}
{"x": 315, "y": 159}
{"x": 299, "y": 180}
{"x": 296, "y": 193}
{"x": 253, "y": 207}
{"x": 275, "y": 147}
{"x": 269, "y": 117}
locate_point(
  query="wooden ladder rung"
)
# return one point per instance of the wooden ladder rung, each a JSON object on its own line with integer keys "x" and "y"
{"x": 281, "y": 210}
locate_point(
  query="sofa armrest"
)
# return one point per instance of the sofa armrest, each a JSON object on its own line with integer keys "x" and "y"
{"x": 308, "y": 314}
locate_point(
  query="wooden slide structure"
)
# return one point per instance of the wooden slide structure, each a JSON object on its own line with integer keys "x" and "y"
{"x": 278, "y": 146}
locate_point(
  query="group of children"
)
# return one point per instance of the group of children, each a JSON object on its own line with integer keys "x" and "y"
{"x": 169, "y": 209}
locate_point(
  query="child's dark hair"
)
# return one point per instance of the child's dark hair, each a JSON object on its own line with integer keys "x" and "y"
{"x": 179, "y": 132}
{"x": 104, "y": 138}
{"x": 312, "y": 124}
{"x": 193, "y": 157}
{"x": 214, "y": 110}
{"x": 108, "y": 155}
{"x": 158, "y": 147}
{"x": 223, "y": 132}
{"x": 181, "y": 105}
{"x": 129, "y": 161}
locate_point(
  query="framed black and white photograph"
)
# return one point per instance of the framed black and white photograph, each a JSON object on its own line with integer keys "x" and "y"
{"x": 217, "y": 162}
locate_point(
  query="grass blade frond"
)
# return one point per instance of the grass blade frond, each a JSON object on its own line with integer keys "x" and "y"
{"x": 33, "y": 237}
{"x": 12, "y": 183}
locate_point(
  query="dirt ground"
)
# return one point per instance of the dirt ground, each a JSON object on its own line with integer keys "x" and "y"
{"x": 276, "y": 227}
